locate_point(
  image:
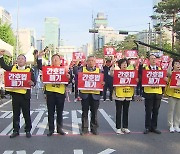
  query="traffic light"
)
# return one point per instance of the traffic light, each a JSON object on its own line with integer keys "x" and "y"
{"x": 93, "y": 31}
{"x": 123, "y": 32}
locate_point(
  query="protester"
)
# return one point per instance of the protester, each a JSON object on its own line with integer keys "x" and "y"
{"x": 20, "y": 97}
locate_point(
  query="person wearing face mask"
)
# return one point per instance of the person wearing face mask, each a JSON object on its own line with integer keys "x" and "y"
{"x": 55, "y": 94}
{"x": 20, "y": 97}
{"x": 123, "y": 96}
{"x": 174, "y": 99}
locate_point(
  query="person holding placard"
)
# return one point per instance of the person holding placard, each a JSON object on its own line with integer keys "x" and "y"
{"x": 174, "y": 97}
{"x": 90, "y": 98}
{"x": 122, "y": 94}
{"x": 55, "y": 93}
{"x": 20, "y": 97}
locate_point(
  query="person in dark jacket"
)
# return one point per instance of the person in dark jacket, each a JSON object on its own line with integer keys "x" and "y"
{"x": 108, "y": 80}
{"x": 20, "y": 97}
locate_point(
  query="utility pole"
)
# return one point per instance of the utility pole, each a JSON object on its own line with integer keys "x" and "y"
{"x": 17, "y": 29}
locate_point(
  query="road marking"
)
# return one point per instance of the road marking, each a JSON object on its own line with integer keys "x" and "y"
{"x": 78, "y": 151}
{"x": 5, "y": 114}
{"x": 75, "y": 122}
{"x": 8, "y": 152}
{"x": 5, "y": 103}
{"x": 107, "y": 151}
{"x": 164, "y": 101}
{"x": 42, "y": 126}
{"x": 36, "y": 120}
{"x": 38, "y": 152}
{"x": 108, "y": 119}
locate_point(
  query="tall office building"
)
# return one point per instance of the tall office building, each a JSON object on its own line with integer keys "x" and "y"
{"x": 100, "y": 20}
{"x": 5, "y": 16}
{"x": 52, "y": 32}
{"x": 26, "y": 39}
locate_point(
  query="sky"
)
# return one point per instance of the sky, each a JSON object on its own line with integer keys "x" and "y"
{"x": 75, "y": 16}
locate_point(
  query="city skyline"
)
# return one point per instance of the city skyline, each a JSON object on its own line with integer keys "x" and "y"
{"x": 75, "y": 16}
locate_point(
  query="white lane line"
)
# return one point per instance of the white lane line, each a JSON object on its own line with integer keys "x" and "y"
{"x": 5, "y": 103}
{"x": 108, "y": 119}
{"x": 78, "y": 151}
{"x": 36, "y": 120}
{"x": 38, "y": 152}
{"x": 5, "y": 114}
{"x": 75, "y": 122}
{"x": 8, "y": 152}
{"x": 21, "y": 152}
{"x": 42, "y": 126}
{"x": 107, "y": 151}
{"x": 164, "y": 101}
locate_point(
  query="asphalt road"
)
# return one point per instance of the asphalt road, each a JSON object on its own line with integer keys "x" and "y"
{"x": 106, "y": 142}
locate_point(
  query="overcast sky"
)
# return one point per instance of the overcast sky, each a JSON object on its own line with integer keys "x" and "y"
{"x": 76, "y": 15}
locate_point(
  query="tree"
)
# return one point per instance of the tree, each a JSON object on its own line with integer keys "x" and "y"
{"x": 7, "y": 35}
{"x": 168, "y": 10}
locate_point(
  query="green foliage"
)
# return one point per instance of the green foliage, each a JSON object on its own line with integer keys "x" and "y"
{"x": 7, "y": 59}
{"x": 6, "y": 34}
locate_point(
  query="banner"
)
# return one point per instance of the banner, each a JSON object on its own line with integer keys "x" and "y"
{"x": 78, "y": 56}
{"x": 109, "y": 51}
{"x": 131, "y": 53}
{"x": 17, "y": 80}
{"x": 99, "y": 62}
{"x": 125, "y": 78}
{"x": 90, "y": 81}
{"x": 119, "y": 55}
{"x": 154, "y": 78}
{"x": 175, "y": 80}
{"x": 54, "y": 75}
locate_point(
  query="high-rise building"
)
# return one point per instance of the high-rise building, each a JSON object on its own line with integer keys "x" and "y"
{"x": 100, "y": 20}
{"x": 52, "y": 32}
{"x": 5, "y": 16}
{"x": 26, "y": 39}
{"x": 40, "y": 44}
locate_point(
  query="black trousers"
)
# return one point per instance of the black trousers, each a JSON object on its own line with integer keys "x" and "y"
{"x": 109, "y": 86}
{"x": 55, "y": 102}
{"x": 119, "y": 106}
{"x": 19, "y": 102}
{"x": 152, "y": 105}
{"x": 93, "y": 105}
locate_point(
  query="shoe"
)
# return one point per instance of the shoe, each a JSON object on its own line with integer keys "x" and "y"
{"x": 171, "y": 129}
{"x": 125, "y": 130}
{"x": 84, "y": 132}
{"x": 155, "y": 131}
{"x": 177, "y": 129}
{"x": 61, "y": 132}
{"x": 14, "y": 134}
{"x": 50, "y": 133}
{"x": 94, "y": 132}
{"x": 146, "y": 131}
{"x": 28, "y": 134}
{"x": 75, "y": 100}
{"x": 119, "y": 131}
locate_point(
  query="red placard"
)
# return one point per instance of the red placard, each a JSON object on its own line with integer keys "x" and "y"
{"x": 125, "y": 78}
{"x": 131, "y": 53}
{"x": 109, "y": 51}
{"x": 17, "y": 80}
{"x": 99, "y": 62}
{"x": 78, "y": 56}
{"x": 119, "y": 55}
{"x": 164, "y": 66}
{"x": 54, "y": 75}
{"x": 165, "y": 58}
{"x": 90, "y": 81}
{"x": 175, "y": 80}
{"x": 154, "y": 78}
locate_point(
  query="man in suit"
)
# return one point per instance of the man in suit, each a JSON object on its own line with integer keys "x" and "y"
{"x": 90, "y": 99}
{"x": 20, "y": 97}
{"x": 152, "y": 97}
